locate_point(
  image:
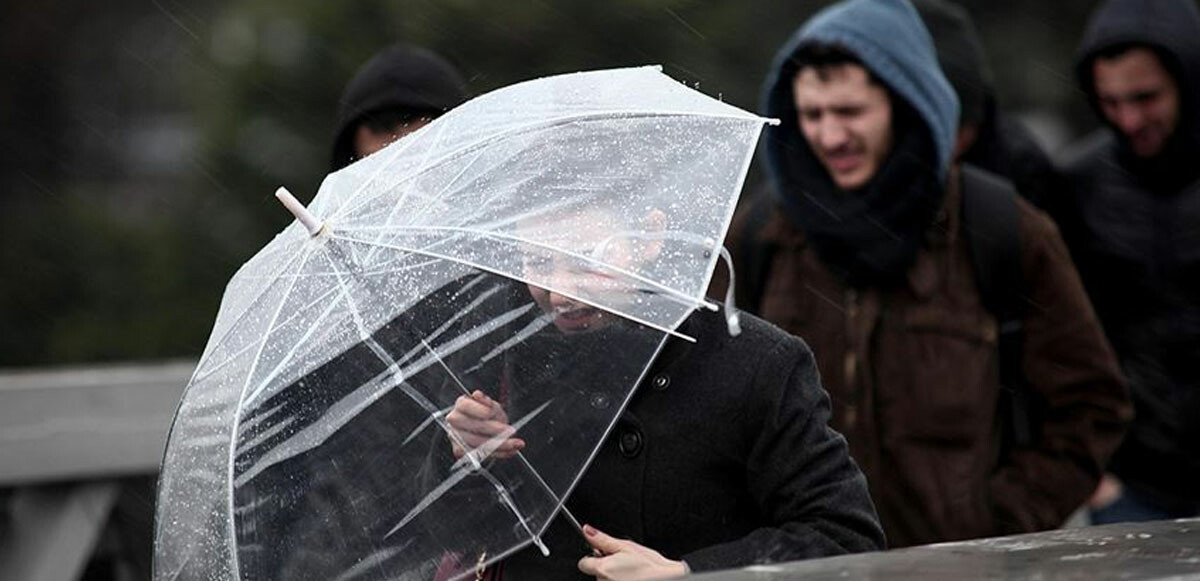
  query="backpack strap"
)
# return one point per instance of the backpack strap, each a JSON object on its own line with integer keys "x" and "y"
{"x": 991, "y": 223}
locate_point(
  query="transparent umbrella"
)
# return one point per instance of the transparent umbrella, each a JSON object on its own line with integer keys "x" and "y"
{"x": 536, "y": 245}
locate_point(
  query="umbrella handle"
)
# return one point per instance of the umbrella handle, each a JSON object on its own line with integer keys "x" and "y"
{"x": 732, "y": 320}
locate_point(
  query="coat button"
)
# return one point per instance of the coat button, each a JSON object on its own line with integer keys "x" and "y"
{"x": 661, "y": 381}
{"x": 630, "y": 443}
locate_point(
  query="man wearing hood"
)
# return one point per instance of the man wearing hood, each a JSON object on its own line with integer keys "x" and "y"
{"x": 401, "y": 89}
{"x": 1132, "y": 224}
{"x": 871, "y": 267}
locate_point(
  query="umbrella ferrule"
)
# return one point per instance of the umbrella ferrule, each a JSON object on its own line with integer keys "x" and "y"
{"x": 314, "y": 226}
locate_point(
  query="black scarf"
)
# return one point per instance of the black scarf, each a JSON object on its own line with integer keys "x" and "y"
{"x": 870, "y": 236}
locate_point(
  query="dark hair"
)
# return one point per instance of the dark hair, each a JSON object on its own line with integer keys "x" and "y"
{"x": 1165, "y": 58}
{"x": 1115, "y": 50}
{"x": 824, "y": 57}
{"x": 397, "y": 85}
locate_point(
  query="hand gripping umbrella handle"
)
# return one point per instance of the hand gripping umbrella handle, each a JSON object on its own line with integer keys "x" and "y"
{"x": 298, "y": 210}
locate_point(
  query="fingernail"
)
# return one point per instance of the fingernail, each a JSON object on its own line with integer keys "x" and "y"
{"x": 589, "y": 530}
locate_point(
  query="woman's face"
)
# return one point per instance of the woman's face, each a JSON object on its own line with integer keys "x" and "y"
{"x": 588, "y": 233}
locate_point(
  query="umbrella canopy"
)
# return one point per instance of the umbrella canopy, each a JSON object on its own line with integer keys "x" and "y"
{"x": 536, "y": 244}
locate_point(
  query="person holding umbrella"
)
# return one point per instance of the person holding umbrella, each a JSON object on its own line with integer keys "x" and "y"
{"x": 723, "y": 457}
{"x": 547, "y": 245}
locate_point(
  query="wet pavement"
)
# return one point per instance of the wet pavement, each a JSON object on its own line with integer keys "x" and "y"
{"x": 1156, "y": 550}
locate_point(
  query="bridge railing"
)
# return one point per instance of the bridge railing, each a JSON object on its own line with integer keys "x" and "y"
{"x": 69, "y": 438}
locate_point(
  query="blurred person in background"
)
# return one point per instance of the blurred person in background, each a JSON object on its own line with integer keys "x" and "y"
{"x": 1133, "y": 225}
{"x": 401, "y": 89}
{"x": 863, "y": 252}
{"x": 988, "y": 138}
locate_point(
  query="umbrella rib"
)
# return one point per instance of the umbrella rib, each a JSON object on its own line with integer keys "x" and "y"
{"x": 491, "y": 445}
{"x": 400, "y": 146}
{"x": 729, "y": 212}
{"x": 215, "y": 344}
{"x": 250, "y": 346}
{"x": 528, "y": 331}
{"x": 530, "y": 127}
{"x": 425, "y": 424}
{"x": 374, "y": 560}
{"x": 571, "y": 296}
{"x": 476, "y": 302}
{"x": 487, "y": 448}
{"x": 394, "y": 370}
{"x": 402, "y": 202}
{"x": 287, "y": 357}
{"x": 460, "y": 470}
{"x": 237, "y": 417}
{"x": 383, "y": 355}
{"x": 505, "y": 497}
{"x": 681, "y": 297}
{"x": 381, "y": 270}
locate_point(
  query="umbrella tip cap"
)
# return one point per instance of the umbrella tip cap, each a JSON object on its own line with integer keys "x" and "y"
{"x": 310, "y": 222}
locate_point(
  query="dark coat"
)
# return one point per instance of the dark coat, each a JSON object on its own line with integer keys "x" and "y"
{"x": 912, "y": 371}
{"x": 1139, "y": 255}
{"x": 723, "y": 458}
{"x": 1133, "y": 226}
{"x": 1005, "y": 147}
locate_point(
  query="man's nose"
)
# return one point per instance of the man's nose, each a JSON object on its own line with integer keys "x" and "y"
{"x": 1129, "y": 117}
{"x": 832, "y": 134}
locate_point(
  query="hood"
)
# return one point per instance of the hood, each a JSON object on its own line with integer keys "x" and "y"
{"x": 869, "y": 237}
{"x": 1170, "y": 27}
{"x": 890, "y": 39}
{"x": 962, "y": 58}
{"x": 400, "y": 77}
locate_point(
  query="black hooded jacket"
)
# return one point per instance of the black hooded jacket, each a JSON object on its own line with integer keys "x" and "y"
{"x": 1003, "y": 145}
{"x": 1133, "y": 226}
{"x": 403, "y": 78}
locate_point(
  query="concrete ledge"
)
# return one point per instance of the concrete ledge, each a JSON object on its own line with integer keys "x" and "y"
{"x": 83, "y": 423}
{"x": 1158, "y": 550}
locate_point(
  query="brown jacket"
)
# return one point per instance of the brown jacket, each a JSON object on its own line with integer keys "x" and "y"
{"x": 913, "y": 375}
